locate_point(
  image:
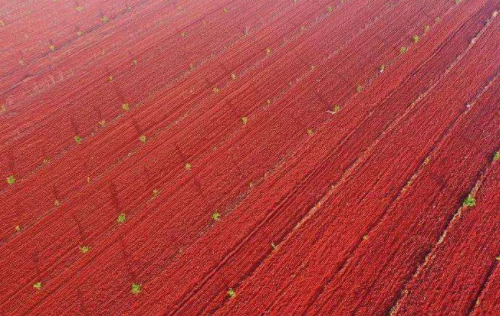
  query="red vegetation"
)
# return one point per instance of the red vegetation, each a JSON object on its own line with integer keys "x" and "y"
{"x": 249, "y": 157}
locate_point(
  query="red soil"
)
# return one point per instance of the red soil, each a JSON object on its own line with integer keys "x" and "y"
{"x": 210, "y": 129}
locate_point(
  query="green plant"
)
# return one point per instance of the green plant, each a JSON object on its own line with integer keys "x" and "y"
{"x": 359, "y": 88}
{"x": 216, "y": 216}
{"x": 415, "y": 39}
{"x": 37, "y": 286}
{"x": 244, "y": 120}
{"x": 84, "y": 249}
{"x": 231, "y": 293}
{"x": 496, "y": 156}
{"x": 188, "y": 166}
{"x": 310, "y": 132}
{"x": 469, "y": 201}
{"x": 136, "y": 288}
{"x": 382, "y": 68}
{"x": 403, "y": 50}
{"x": 11, "y": 180}
{"x": 336, "y": 109}
{"x": 273, "y": 245}
{"x": 78, "y": 139}
{"x": 17, "y": 228}
{"x": 122, "y": 218}
{"x": 126, "y": 107}
{"x": 142, "y": 138}
{"x": 155, "y": 193}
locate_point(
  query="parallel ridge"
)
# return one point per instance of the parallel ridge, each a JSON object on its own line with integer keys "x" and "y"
{"x": 232, "y": 157}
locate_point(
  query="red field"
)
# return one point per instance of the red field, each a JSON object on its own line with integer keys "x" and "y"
{"x": 237, "y": 157}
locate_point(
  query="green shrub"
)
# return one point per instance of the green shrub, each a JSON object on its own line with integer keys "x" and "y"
{"x": 469, "y": 201}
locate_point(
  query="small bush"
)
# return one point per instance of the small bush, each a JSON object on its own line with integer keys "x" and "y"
{"x": 231, "y": 293}
{"x": 11, "y": 180}
{"x": 136, "y": 288}
{"x": 496, "y": 156}
{"x": 469, "y": 201}
{"x": 121, "y": 218}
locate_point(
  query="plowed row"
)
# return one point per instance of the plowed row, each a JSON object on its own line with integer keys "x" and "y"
{"x": 258, "y": 157}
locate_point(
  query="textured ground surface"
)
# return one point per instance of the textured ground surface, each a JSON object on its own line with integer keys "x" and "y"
{"x": 249, "y": 157}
